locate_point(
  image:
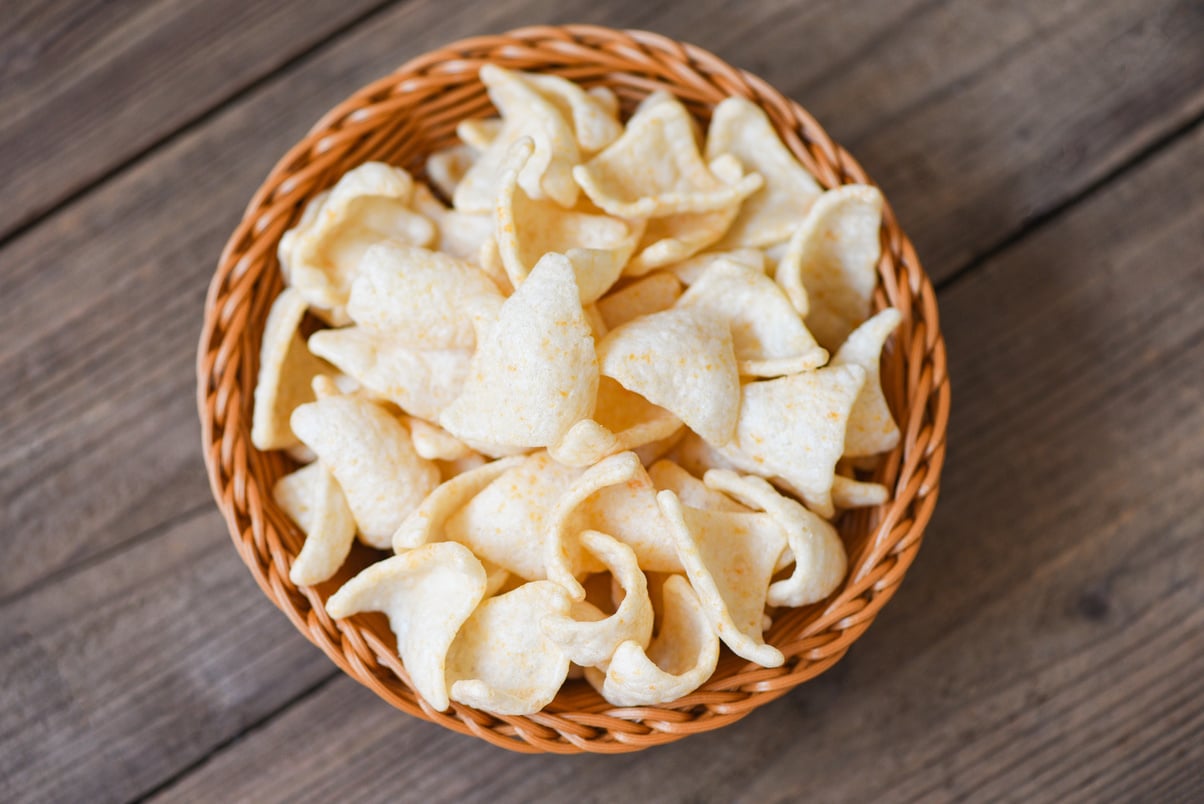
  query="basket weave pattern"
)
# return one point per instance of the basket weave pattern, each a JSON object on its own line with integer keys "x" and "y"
{"x": 401, "y": 118}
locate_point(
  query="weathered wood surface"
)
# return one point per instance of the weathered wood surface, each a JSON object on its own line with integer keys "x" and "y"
{"x": 86, "y": 86}
{"x": 117, "y": 676}
{"x": 1048, "y": 640}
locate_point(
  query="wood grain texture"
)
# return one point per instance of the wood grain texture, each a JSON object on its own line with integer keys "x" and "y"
{"x": 1066, "y": 523}
{"x": 144, "y": 243}
{"x": 1049, "y": 643}
{"x": 84, "y": 86}
{"x": 115, "y": 677}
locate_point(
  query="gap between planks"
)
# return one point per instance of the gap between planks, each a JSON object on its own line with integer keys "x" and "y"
{"x": 1048, "y": 216}
{"x": 238, "y": 736}
{"x": 237, "y": 93}
{"x": 146, "y": 535}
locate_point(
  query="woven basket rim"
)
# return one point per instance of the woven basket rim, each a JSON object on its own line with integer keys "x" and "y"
{"x": 914, "y": 378}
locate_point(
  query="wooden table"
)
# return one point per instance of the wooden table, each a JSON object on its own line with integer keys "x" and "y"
{"x": 1046, "y": 157}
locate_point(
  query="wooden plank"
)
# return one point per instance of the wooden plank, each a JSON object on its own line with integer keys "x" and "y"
{"x": 1040, "y": 101}
{"x": 1049, "y": 643}
{"x": 115, "y": 677}
{"x": 99, "y": 435}
{"x": 86, "y": 86}
{"x": 98, "y": 351}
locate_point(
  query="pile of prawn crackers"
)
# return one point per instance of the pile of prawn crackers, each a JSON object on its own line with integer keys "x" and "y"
{"x": 599, "y": 389}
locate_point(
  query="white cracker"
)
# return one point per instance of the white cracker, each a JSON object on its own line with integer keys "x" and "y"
{"x": 794, "y": 428}
{"x": 593, "y": 641}
{"x": 370, "y": 454}
{"x": 428, "y": 594}
{"x": 768, "y": 335}
{"x": 872, "y": 429}
{"x": 682, "y": 360}
{"x": 729, "y": 558}
{"x": 535, "y": 374}
{"x": 829, "y": 268}
{"x": 311, "y": 498}
{"x": 680, "y": 659}
{"x": 286, "y": 373}
{"x": 742, "y": 129}
{"x": 501, "y": 662}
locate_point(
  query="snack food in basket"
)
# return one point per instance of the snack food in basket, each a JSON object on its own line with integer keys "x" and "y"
{"x": 607, "y": 361}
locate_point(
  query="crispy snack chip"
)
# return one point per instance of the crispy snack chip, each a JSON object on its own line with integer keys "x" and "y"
{"x": 650, "y": 453}
{"x": 535, "y": 374}
{"x": 422, "y": 299}
{"x": 664, "y": 96}
{"x": 457, "y": 467}
{"x": 619, "y": 499}
{"x": 311, "y": 498}
{"x": 871, "y": 429}
{"x": 849, "y": 493}
{"x": 729, "y": 558}
{"x": 330, "y": 386}
{"x": 673, "y": 238}
{"x": 651, "y": 294}
{"x": 561, "y": 544}
{"x": 668, "y": 476}
{"x": 427, "y": 595}
{"x": 655, "y": 169}
{"x": 428, "y": 522}
{"x": 508, "y": 521}
{"x": 768, "y": 336}
{"x": 696, "y": 456}
{"x": 370, "y": 454}
{"x": 501, "y": 661}
{"x": 819, "y": 555}
{"x": 288, "y": 240}
{"x": 622, "y": 421}
{"x": 434, "y": 443}
{"x": 446, "y": 168}
{"x": 460, "y": 234}
{"x": 741, "y": 128}
{"x": 597, "y": 326}
{"x": 682, "y": 360}
{"x": 692, "y": 269}
{"x": 526, "y": 112}
{"x": 829, "y": 268}
{"x": 491, "y": 262}
{"x": 286, "y": 373}
{"x": 607, "y": 99}
{"x": 479, "y": 133}
{"x": 420, "y": 382}
{"x": 597, "y": 245}
{"x": 593, "y": 114}
{"x": 590, "y": 641}
{"x": 794, "y": 428}
{"x": 680, "y": 659}
{"x": 368, "y": 205}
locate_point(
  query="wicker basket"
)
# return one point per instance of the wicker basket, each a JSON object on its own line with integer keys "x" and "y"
{"x": 399, "y": 119}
